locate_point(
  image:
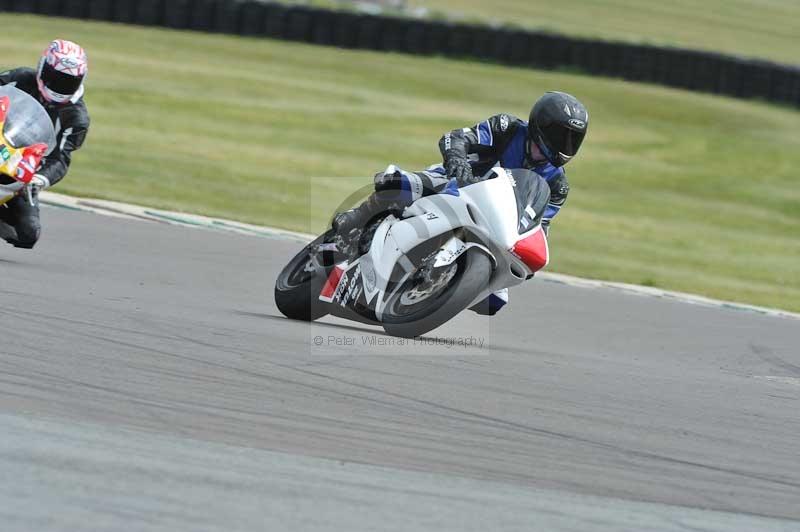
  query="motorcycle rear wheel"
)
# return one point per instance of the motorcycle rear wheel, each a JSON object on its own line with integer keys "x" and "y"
{"x": 298, "y": 286}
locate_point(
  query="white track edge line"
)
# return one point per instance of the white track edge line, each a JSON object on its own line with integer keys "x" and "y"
{"x": 136, "y": 212}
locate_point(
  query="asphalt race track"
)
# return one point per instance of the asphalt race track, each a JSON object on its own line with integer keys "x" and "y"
{"x": 147, "y": 382}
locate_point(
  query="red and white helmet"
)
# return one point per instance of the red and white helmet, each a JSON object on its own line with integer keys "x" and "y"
{"x": 62, "y": 68}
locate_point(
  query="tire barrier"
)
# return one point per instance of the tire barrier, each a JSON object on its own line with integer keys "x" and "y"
{"x": 253, "y": 18}
{"x": 177, "y": 13}
{"x": 22, "y": 6}
{"x": 203, "y": 15}
{"x": 345, "y": 34}
{"x": 124, "y": 12}
{"x": 275, "y": 20}
{"x": 687, "y": 69}
{"x": 101, "y": 10}
{"x": 368, "y": 32}
{"x": 49, "y": 7}
{"x": 43, "y": 6}
{"x": 228, "y": 18}
{"x": 323, "y": 29}
{"x": 150, "y": 12}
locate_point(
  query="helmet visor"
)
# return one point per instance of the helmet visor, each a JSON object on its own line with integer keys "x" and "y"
{"x": 59, "y": 82}
{"x": 563, "y": 140}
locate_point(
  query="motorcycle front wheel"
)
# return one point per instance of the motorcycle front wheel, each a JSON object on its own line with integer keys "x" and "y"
{"x": 418, "y": 307}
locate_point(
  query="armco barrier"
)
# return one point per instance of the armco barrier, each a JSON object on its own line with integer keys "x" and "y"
{"x": 688, "y": 69}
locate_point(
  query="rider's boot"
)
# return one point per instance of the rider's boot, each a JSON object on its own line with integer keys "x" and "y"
{"x": 392, "y": 193}
{"x": 492, "y": 304}
{"x": 349, "y": 225}
{"x": 346, "y": 222}
{"x": 19, "y": 221}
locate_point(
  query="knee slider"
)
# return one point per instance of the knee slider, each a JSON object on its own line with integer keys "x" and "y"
{"x": 28, "y": 232}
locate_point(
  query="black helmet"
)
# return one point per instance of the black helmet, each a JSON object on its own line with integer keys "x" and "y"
{"x": 557, "y": 125}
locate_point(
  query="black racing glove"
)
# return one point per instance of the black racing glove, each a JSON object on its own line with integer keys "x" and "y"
{"x": 459, "y": 169}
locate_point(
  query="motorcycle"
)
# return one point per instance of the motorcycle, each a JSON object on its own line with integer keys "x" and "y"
{"x": 414, "y": 272}
{"x": 26, "y": 137}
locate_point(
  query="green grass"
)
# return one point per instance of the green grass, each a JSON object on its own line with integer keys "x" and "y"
{"x": 672, "y": 189}
{"x": 760, "y": 28}
{"x": 768, "y": 29}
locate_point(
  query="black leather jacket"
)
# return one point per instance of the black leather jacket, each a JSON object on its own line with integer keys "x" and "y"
{"x": 71, "y": 122}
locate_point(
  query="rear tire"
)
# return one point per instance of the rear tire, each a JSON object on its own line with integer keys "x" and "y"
{"x": 297, "y": 289}
{"x": 474, "y": 268}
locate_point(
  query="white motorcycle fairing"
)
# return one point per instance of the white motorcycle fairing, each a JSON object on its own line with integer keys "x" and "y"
{"x": 483, "y": 215}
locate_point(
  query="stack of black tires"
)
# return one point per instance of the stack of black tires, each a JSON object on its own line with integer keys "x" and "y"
{"x": 688, "y": 69}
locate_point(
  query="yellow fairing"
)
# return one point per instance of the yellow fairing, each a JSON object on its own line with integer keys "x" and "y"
{"x": 9, "y": 159}
{"x": 9, "y": 156}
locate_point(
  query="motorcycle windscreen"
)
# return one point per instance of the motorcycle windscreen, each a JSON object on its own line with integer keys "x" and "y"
{"x": 27, "y": 123}
{"x": 532, "y": 193}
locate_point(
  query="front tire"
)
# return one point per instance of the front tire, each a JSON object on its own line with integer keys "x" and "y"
{"x": 298, "y": 286}
{"x": 407, "y": 319}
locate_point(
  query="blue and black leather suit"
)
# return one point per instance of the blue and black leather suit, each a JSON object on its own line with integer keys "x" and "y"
{"x": 499, "y": 140}
{"x": 503, "y": 139}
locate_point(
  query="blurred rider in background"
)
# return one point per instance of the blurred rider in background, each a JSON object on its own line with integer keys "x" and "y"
{"x": 57, "y": 83}
{"x": 550, "y": 138}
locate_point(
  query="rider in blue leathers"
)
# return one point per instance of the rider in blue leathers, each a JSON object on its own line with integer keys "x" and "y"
{"x": 552, "y": 136}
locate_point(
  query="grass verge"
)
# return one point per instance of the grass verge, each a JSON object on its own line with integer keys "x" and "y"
{"x": 748, "y": 28}
{"x": 673, "y": 189}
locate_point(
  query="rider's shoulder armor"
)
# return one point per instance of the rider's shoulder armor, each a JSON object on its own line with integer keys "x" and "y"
{"x": 23, "y": 78}
{"x": 492, "y": 139}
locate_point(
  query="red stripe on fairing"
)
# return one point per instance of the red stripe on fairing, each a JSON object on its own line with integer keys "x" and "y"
{"x": 533, "y": 251}
{"x": 331, "y": 283}
{"x": 4, "y": 103}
